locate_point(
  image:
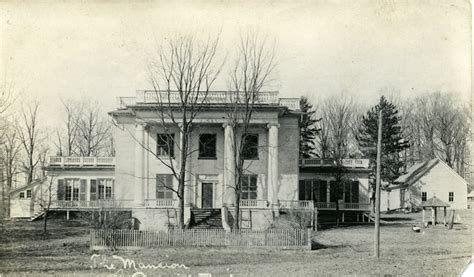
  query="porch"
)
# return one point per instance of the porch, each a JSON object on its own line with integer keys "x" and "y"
{"x": 85, "y": 205}
{"x": 264, "y": 204}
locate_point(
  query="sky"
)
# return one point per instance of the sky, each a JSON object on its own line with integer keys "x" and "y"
{"x": 53, "y": 50}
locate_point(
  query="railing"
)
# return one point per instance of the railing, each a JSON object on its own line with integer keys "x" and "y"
{"x": 296, "y": 204}
{"x": 81, "y": 161}
{"x": 253, "y": 203}
{"x": 353, "y": 163}
{"x": 343, "y": 206}
{"x": 105, "y": 203}
{"x": 325, "y": 205}
{"x": 132, "y": 239}
{"x": 160, "y": 203}
{"x": 212, "y": 97}
{"x": 291, "y": 103}
{"x": 355, "y": 206}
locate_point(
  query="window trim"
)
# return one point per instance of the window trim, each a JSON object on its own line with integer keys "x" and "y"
{"x": 256, "y": 147}
{"x": 200, "y": 157}
{"x": 425, "y": 194}
{"x": 164, "y": 187}
{"x": 169, "y": 152}
{"x": 249, "y": 191}
{"x": 451, "y": 196}
{"x": 106, "y": 183}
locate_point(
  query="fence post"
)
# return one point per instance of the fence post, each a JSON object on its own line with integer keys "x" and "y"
{"x": 309, "y": 238}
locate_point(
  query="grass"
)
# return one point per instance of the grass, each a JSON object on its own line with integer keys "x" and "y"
{"x": 340, "y": 251}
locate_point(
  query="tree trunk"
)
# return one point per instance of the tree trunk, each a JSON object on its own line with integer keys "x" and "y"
{"x": 45, "y": 221}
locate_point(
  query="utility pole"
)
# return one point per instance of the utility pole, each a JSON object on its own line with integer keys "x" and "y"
{"x": 377, "y": 188}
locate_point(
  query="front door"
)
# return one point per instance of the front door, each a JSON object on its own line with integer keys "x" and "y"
{"x": 206, "y": 195}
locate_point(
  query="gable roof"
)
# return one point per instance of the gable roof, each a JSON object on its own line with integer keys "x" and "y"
{"x": 32, "y": 184}
{"x": 415, "y": 172}
{"x": 434, "y": 202}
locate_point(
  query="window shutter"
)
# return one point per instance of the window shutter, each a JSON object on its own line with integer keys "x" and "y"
{"x": 322, "y": 191}
{"x": 61, "y": 189}
{"x": 347, "y": 191}
{"x": 355, "y": 192}
{"x": 93, "y": 195}
{"x": 82, "y": 190}
{"x": 301, "y": 190}
{"x": 171, "y": 145}
{"x": 159, "y": 186}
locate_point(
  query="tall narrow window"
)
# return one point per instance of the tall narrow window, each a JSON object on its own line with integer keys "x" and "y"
{"x": 105, "y": 189}
{"x": 165, "y": 145}
{"x": 250, "y": 147}
{"x": 164, "y": 185}
{"x": 207, "y": 146}
{"x": 423, "y": 196}
{"x": 451, "y": 196}
{"x": 28, "y": 193}
{"x": 72, "y": 190}
{"x": 249, "y": 187}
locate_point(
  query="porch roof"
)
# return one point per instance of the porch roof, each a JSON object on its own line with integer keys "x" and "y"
{"x": 434, "y": 202}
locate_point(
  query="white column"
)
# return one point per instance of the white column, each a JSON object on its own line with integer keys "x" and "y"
{"x": 139, "y": 164}
{"x": 272, "y": 175}
{"x": 229, "y": 166}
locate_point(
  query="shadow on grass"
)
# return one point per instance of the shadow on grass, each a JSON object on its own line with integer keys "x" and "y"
{"x": 394, "y": 219}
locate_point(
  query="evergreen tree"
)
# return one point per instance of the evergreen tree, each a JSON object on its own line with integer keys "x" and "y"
{"x": 393, "y": 142}
{"x": 308, "y": 129}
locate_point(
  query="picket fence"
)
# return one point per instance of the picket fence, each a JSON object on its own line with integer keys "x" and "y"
{"x": 133, "y": 239}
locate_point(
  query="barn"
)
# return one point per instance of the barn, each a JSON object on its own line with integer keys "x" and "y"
{"x": 422, "y": 181}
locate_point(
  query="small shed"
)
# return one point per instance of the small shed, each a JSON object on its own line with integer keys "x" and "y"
{"x": 434, "y": 203}
{"x": 470, "y": 199}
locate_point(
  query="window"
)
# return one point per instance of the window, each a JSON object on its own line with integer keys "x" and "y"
{"x": 207, "y": 146}
{"x": 105, "y": 189}
{"x": 351, "y": 192}
{"x": 423, "y": 196}
{"x": 165, "y": 145}
{"x": 250, "y": 149}
{"x": 451, "y": 196}
{"x": 28, "y": 193}
{"x": 249, "y": 187}
{"x": 313, "y": 189}
{"x": 22, "y": 195}
{"x": 71, "y": 190}
{"x": 164, "y": 184}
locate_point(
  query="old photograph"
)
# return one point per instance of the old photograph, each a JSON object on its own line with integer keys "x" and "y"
{"x": 235, "y": 138}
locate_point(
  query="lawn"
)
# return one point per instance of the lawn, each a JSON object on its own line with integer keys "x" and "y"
{"x": 339, "y": 251}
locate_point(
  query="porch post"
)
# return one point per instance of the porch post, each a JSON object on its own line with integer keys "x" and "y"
{"x": 423, "y": 216}
{"x": 273, "y": 175}
{"x": 444, "y": 215}
{"x": 229, "y": 166}
{"x": 139, "y": 164}
{"x": 433, "y": 216}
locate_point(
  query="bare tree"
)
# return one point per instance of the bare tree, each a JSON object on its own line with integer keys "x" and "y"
{"x": 93, "y": 132}
{"x": 181, "y": 77}
{"x": 10, "y": 151}
{"x": 338, "y": 117}
{"x": 67, "y": 135}
{"x": 46, "y": 197}
{"x": 29, "y": 135}
{"x": 251, "y": 72}
{"x": 438, "y": 126}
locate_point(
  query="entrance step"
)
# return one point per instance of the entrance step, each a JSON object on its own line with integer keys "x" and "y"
{"x": 206, "y": 219}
